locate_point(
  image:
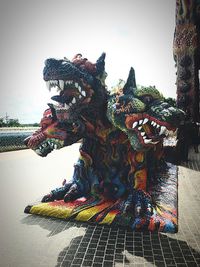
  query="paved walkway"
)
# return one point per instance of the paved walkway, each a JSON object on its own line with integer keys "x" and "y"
{"x": 27, "y": 240}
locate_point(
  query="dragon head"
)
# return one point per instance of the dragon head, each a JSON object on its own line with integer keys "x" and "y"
{"x": 142, "y": 114}
{"x": 81, "y": 90}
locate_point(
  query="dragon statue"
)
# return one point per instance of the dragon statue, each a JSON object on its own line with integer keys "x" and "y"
{"x": 121, "y": 177}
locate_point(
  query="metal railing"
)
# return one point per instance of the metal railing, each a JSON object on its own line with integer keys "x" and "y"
{"x": 13, "y": 138}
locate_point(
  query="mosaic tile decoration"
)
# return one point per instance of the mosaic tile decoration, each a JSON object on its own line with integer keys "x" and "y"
{"x": 121, "y": 177}
{"x": 104, "y": 211}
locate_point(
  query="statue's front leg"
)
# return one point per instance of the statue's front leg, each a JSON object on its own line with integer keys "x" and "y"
{"x": 58, "y": 193}
{"x": 78, "y": 187}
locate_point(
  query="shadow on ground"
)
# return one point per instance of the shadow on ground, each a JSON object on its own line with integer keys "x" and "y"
{"x": 171, "y": 155}
{"x": 110, "y": 246}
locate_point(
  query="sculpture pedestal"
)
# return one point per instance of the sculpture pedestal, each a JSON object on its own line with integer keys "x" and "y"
{"x": 103, "y": 211}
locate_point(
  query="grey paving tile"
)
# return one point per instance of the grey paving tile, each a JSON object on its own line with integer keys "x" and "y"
{"x": 91, "y": 245}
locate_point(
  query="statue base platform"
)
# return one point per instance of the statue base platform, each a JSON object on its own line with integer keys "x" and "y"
{"x": 164, "y": 193}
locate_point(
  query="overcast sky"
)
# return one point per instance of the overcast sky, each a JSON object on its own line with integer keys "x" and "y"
{"x": 132, "y": 33}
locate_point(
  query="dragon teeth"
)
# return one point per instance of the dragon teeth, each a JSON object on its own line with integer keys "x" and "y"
{"x": 66, "y": 106}
{"x": 53, "y": 82}
{"x": 74, "y": 100}
{"x": 68, "y": 82}
{"x": 145, "y": 121}
{"x": 142, "y": 133}
{"x": 55, "y": 146}
{"x": 62, "y": 84}
{"x": 141, "y": 122}
{"x": 162, "y": 130}
{"x": 83, "y": 93}
{"x": 147, "y": 141}
{"x": 134, "y": 124}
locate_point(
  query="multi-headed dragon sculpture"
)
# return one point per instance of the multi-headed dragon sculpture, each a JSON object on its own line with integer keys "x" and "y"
{"x": 121, "y": 176}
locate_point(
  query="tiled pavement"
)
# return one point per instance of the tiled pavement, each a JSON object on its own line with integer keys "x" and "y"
{"x": 39, "y": 241}
{"x": 105, "y": 246}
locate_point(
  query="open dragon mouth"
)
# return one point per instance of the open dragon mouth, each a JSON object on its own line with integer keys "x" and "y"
{"x": 71, "y": 93}
{"x": 149, "y": 129}
{"x": 48, "y": 146}
{"x": 43, "y": 145}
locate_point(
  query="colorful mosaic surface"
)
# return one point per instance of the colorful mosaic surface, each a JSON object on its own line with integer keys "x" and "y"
{"x": 105, "y": 211}
{"x": 121, "y": 176}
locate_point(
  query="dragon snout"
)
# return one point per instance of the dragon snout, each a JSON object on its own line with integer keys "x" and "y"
{"x": 34, "y": 140}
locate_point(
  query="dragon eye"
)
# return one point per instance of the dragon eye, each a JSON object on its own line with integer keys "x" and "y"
{"x": 147, "y": 99}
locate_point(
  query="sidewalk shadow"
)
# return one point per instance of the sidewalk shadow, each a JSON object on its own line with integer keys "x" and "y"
{"x": 112, "y": 246}
{"x": 53, "y": 225}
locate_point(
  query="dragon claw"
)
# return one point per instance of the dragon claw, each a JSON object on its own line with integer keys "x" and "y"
{"x": 72, "y": 194}
{"x": 138, "y": 210}
{"x": 143, "y": 203}
{"x": 48, "y": 198}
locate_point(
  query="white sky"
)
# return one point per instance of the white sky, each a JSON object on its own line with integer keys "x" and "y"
{"x": 132, "y": 33}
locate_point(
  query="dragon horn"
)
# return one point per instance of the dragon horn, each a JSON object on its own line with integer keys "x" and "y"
{"x": 100, "y": 64}
{"x": 130, "y": 83}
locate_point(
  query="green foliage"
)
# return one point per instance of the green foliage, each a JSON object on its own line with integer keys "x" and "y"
{"x": 30, "y": 124}
{"x": 13, "y": 123}
{"x": 2, "y": 123}
{"x": 7, "y": 122}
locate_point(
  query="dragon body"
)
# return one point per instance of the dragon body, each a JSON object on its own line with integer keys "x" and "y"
{"x": 121, "y": 167}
